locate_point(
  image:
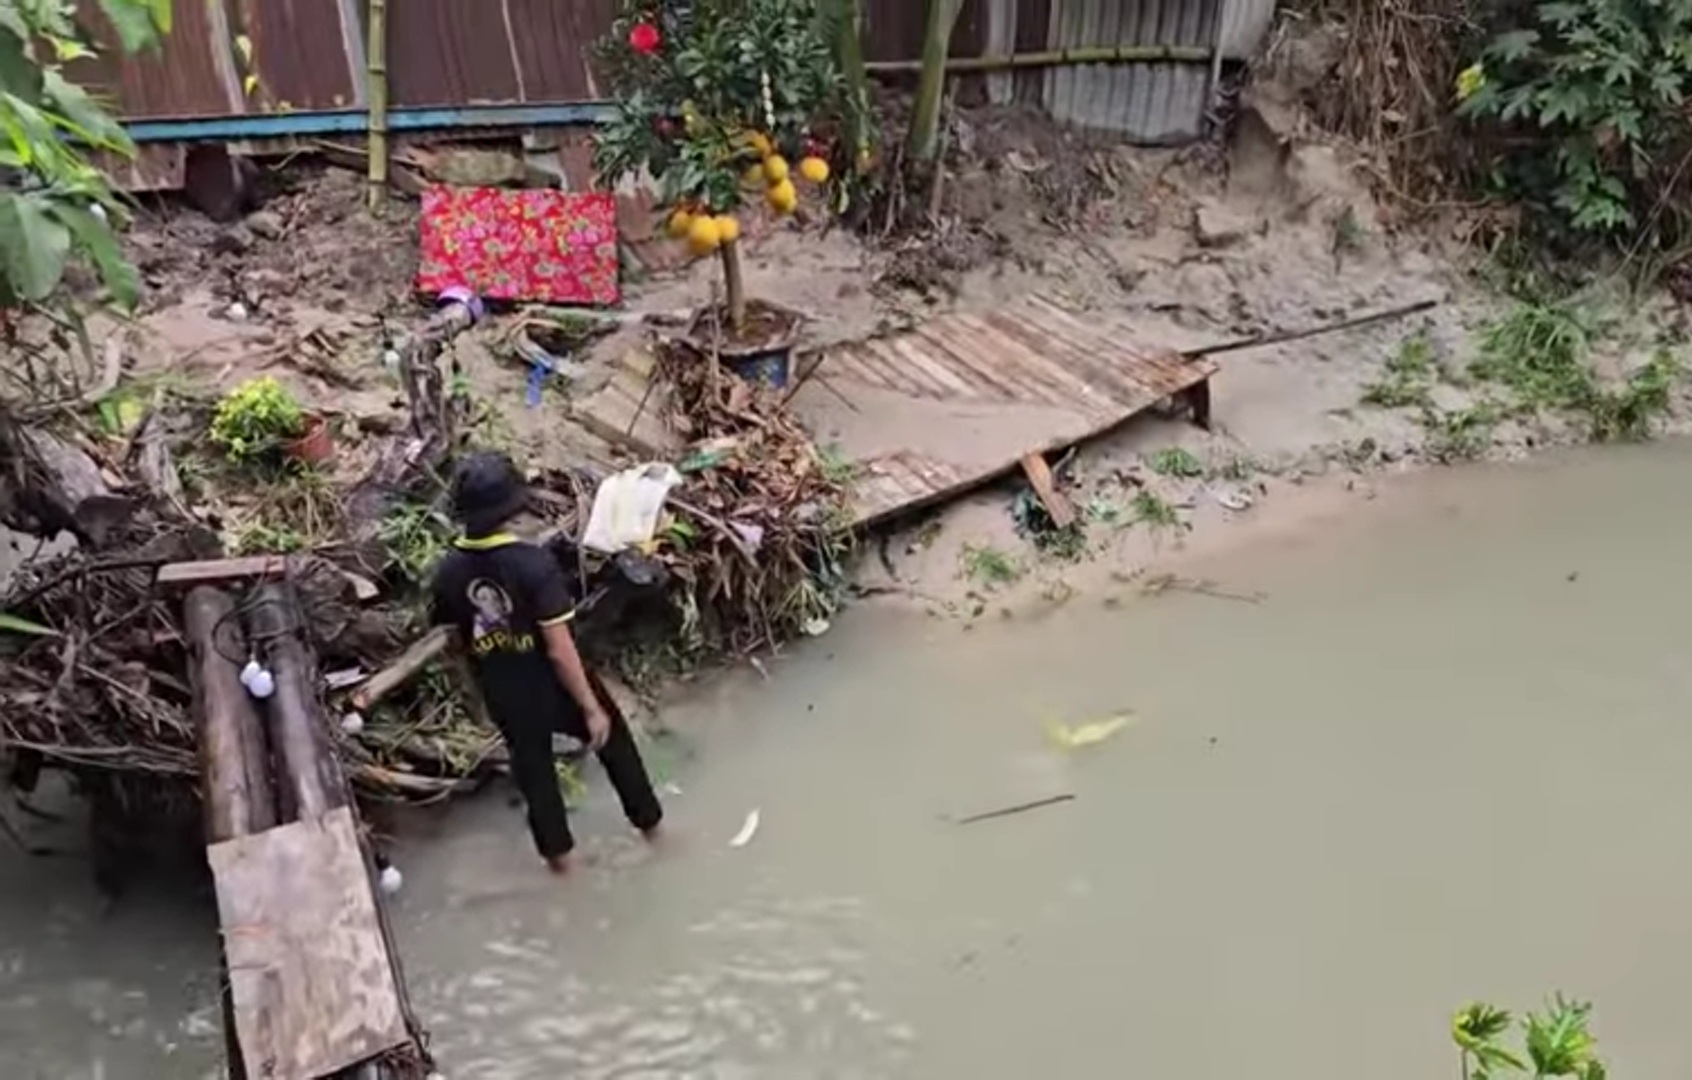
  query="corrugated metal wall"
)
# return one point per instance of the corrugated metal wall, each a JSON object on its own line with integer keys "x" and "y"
{"x": 309, "y": 54}
{"x": 1154, "y": 102}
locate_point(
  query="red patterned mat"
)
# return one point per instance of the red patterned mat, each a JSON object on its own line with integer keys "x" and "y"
{"x": 545, "y": 246}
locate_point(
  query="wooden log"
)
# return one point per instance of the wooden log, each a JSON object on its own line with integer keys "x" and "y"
{"x": 310, "y": 782}
{"x": 403, "y": 669}
{"x": 235, "y": 779}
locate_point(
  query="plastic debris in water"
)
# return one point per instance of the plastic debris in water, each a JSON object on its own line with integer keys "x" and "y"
{"x": 1068, "y": 737}
{"x": 352, "y": 723}
{"x": 390, "y": 880}
{"x": 747, "y": 831}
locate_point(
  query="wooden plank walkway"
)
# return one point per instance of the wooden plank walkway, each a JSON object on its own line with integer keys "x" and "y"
{"x": 948, "y": 405}
{"x": 309, "y": 972}
{"x": 973, "y": 393}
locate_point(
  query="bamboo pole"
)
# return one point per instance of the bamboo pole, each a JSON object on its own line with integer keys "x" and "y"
{"x": 376, "y": 86}
{"x": 922, "y": 142}
{"x": 1102, "y": 54}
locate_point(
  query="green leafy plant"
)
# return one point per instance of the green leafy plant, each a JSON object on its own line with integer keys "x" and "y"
{"x": 1176, "y": 461}
{"x": 715, "y": 99}
{"x": 1555, "y": 1043}
{"x": 255, "y": 420}
{"x": 1590, "y": 98}
{"x": 415, "y": 537}
{"x": 63, "y": 206}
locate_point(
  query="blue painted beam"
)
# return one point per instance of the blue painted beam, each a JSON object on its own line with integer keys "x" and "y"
{"x": 344, "y": 121}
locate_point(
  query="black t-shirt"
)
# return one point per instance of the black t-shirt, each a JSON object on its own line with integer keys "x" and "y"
{"x": 500, "y": 593}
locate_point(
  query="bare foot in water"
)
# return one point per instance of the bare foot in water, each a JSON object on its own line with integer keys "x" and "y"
{"x": 562, "y": 864}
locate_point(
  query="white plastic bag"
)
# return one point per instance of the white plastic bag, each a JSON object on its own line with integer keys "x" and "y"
{"x": 627, "y": 507}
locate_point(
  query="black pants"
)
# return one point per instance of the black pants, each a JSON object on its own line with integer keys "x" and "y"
{"x": 530, "y": 741}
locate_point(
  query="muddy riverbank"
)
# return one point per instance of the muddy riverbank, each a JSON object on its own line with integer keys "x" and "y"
{"x": 1441, "y": 758}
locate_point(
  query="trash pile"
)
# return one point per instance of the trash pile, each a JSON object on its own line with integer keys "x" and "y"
{"x": 741, "y": 543}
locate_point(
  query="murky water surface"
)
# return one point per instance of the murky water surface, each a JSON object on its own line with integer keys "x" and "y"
{"x": 1447, "y": 757}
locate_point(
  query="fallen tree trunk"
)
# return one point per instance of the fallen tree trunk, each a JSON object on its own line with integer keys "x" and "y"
{"x": 310, "y": 784}
{"x": 235, "y": 783}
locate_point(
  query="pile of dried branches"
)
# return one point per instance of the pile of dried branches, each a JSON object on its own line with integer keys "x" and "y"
{"x": 1391, "y": 89}
{"x": 758, "y": 535}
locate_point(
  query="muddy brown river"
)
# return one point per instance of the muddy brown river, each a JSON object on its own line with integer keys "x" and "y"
{"x": 1446, "y": 757}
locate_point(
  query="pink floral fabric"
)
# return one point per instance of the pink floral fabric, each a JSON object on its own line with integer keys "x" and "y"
{"x": 551, "y": 247}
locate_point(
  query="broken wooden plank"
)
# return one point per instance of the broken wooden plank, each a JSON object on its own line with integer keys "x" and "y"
{"x": 218, "y": 572}
{"x": 222, "y": 572}
{"x": 403, "y": 669}
{"x": 1058, "y": 507}
{"x": 313, "y": 985}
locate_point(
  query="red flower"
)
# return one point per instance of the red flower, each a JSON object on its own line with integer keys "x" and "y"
{"x": 644, "y": 39}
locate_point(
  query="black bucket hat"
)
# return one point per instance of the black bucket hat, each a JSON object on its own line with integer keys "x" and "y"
{"x": 488, "y": 490}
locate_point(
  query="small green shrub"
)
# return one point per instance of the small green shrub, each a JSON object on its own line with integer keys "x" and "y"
{"x": 1589, "y": 98}
{"x": 1176, "y": 461}
{"x": 255, "y": 419}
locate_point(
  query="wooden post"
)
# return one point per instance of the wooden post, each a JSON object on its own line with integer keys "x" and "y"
{"x": 923, "y": 142}
{"x": 735, "y": 284}
{"x": 235, "y": 781}
{"x": 309, "y": 784}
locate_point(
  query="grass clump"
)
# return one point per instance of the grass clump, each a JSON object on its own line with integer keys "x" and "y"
{"x": 1408, "y": 381}
{"x": 989, "y": 566}
{"x": 1626, "y": 412}
{"x": 1460, "y": 434}
{"x": 1540, "y": 351}
{"x": 1176, "y": 461}
{"x": 1152, "y": 509}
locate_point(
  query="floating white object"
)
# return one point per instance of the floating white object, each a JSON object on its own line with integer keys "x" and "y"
{"x": 391, "y": 880}
{"x": 352, "y": 723}
{"x": 816, "y": 627}
{"x": 250, "y": 672}
{"x": 747, "y": 831}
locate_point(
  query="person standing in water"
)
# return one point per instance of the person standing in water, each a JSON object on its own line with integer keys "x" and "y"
{"x": 510, "y": 603}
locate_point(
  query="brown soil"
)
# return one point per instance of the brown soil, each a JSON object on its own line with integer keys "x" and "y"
{"x": 766, "y": 326}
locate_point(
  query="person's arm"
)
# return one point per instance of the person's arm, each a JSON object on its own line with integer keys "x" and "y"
{"x": 554, "y": 608}
{"x": 567, "y": 661}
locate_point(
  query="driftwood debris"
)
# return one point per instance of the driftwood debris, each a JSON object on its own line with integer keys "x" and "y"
{"x": 310, "y": 783}
{"x": 1058, "y": 506}
{"x": 403, "y": 669}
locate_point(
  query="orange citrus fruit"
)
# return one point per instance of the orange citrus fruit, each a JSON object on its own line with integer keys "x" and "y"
{"x": 783, "y": 197}
{"x": 703, "y": 236}
{"x": 680, "y": 222}
{"x": 775, "y": 169}
{"x": 728, "y": 228}
{"x": 814, "y": 169}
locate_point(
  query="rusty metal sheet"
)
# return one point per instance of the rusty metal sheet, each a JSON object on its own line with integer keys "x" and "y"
{"x": 184, "y": 76}
{"x": 1031, "y": 378}
{"x": 554, "y": 46}
{"x": 447, "y": 52}
{"x": 308, "y": 54}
